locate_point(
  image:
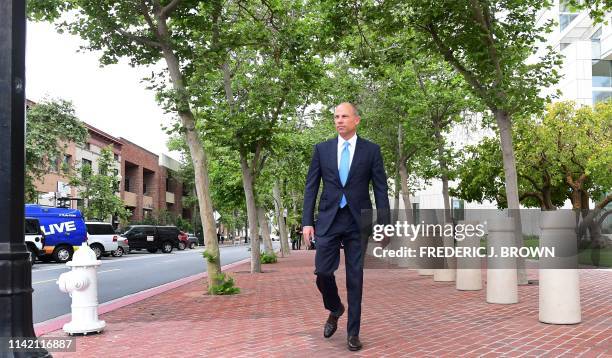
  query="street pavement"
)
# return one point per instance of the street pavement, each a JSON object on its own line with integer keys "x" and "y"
{"x": 279, "y": 313}
{"x": 121, "y": 276}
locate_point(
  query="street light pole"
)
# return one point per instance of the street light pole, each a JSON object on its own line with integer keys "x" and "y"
{"x": 15, "y": 265}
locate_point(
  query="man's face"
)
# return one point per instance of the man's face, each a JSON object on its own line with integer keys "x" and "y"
{"x": 346, "y": 120}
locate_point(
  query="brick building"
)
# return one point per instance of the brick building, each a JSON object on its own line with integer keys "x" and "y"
{"x": 148, "y": 185}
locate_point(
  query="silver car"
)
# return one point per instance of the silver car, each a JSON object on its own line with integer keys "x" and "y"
{"x": 122, "y": 248}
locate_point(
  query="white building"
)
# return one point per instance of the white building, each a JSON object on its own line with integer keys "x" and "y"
{"x": 586, "y": 48}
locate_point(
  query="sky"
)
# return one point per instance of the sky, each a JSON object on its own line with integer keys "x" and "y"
{"x": 110, "y": 98}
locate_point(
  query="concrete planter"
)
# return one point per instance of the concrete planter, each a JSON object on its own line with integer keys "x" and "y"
{"x": 559, "y": 289}
{"x": 426, "y": 264}
{"x": 449, "y": 264}
{"x": 469, "y": 273}
{"x": 501, "y": 272}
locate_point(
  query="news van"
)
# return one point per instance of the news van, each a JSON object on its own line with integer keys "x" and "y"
{"x": 64, "y": 230}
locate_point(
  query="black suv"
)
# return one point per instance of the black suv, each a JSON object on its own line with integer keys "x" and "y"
{"x": 152, "y": 238}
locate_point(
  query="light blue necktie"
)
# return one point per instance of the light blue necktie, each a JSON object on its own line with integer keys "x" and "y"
{"x": 344, "y": 169}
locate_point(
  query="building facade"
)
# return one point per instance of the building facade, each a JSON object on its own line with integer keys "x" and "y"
{"x": 149, "y": 184}
{"x": 586, "y": 49}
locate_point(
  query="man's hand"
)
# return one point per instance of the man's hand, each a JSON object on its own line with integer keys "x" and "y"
{"x": 385, "y": 241}
{"x": 307, "y": 233}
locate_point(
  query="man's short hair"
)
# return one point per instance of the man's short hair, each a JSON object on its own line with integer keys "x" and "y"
{"x": 354, "y": 107}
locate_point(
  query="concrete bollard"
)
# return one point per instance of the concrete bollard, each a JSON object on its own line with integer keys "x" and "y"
{"x": 469, "y": 272}
{"x": 82, "y": 285}
{"x": 559, "y": 288}
{"x": 502, "y": 283}
{"x": 447, "y": 271}
{"x": 426, "y": 264}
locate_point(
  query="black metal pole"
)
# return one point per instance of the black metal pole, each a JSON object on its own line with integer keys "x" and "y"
{"x": 15, "y": 266}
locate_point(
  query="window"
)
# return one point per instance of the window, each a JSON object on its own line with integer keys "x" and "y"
{"x": 134, "y": 230}
{"x": 458, "y": 209}
{"x": 600, "y": 96}
{"x": 144, "y": 188}
{"x": 67, "y": 161}
{"x": 85, "y": 162}
{"x": 168, "y": 184}
{"x": 55, "y": 165}
{"x": 100, "y": 229}
{"x": 602, "y": 73}
{"x": 566, "y": 15}
{"x": 116, "y": 172}
{"x": 32, "y": 227}
{"x": 127, "y": 184}
{"x": 416, "y": 216}
{"x": 168, "y": 231}
{"x": 116, "y": 156}
{"x": 87, "y": 146}
{"x": 596, "y": 45}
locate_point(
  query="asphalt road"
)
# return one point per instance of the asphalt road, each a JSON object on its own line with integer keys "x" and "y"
{"x": 121, "y": 276}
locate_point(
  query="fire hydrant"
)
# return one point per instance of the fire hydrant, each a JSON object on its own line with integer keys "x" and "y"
{"x": 82, "y": 285}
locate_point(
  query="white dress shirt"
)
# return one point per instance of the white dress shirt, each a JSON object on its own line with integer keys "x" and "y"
{"x": 352, "y": 143}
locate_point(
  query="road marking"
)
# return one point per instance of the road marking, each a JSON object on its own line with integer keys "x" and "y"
{"x": 51, "y": 280}
{"x": 55, "y": 279}
{"x": 109, "y": 270}
{"x": 168, "y": 260}
{"x": 51, "y": 268}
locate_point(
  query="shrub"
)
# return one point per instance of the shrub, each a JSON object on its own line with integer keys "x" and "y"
{"x": 225, "y": 285}
{"x": 268, "y": 258}
{"x": 209, "y": 257}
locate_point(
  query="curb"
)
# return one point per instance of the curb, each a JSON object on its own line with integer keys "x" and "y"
{"x": 58, "y": 322}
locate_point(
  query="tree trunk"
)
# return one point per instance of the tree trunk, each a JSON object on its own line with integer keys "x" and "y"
{"x": 282, "y": 226}
{"x": 396, "y": 198}
{"x": 576, "y": 198}
{"x": 265, "y": 230}
{"x": 249, "y": 194}
{"x": 512, "y": 196}
{"x": 405, "y": 192}
{"x": 200, "y": 166}
{"x": 397, "y": 178}
{"x": 547, "y": 198}
{"x": 403, "y": 174}
{"x": 443, "y": 171}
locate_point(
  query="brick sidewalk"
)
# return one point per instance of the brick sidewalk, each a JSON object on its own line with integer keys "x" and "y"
{"x": 279, "y": 314}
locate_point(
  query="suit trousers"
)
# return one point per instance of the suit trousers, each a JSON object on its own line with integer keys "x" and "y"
{"x": 343, "y": 230}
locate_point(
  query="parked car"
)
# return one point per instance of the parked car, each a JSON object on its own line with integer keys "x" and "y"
{"x": 34, "y": 238}
{"x": 123, "y": 248}
{"x": 193, "y": 241}
{"x": 64, "y": 230}
{"x": 101, "y": 238}
{"x": 183, "y": 241}
{"x": 152, "y": 238}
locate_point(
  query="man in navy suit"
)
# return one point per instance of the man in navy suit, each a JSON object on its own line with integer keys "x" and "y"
{"x": 346, "y": 164}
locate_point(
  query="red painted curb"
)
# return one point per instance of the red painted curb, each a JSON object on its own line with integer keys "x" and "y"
{"x": 57, "y": 323}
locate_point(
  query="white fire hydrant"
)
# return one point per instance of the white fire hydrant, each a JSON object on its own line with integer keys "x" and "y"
{"x": 82, "y": 285}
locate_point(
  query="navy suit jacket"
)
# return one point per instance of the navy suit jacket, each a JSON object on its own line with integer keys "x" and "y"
{"x": 367, "y": 165}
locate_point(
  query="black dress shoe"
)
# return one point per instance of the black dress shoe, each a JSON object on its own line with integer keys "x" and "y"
{"x": 332, "y": 323}
{"x": 353, "y": 343}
